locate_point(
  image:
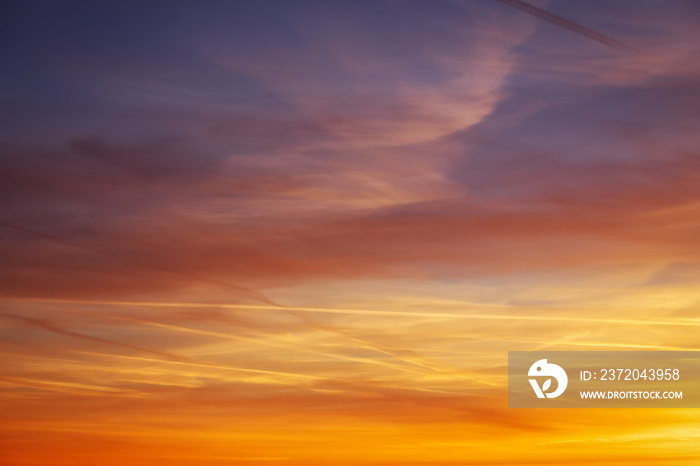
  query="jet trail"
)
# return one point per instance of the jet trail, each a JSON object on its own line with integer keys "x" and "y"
{"x": 242, "y": 291}
{"x": 366, "y": 312}
{"x": 51, "y": 327}
{"x": 570, "y": 25}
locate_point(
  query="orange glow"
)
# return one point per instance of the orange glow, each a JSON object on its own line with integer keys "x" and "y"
{"x": 308, "y": 233}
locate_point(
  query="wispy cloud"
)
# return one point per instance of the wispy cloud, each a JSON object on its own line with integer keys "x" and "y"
{"x": 255, "y": 232}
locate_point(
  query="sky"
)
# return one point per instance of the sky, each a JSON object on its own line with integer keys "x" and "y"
{"x": 307, "y": 233}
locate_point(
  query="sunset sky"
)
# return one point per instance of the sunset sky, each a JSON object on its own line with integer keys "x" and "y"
{"x": 307, "y": 233}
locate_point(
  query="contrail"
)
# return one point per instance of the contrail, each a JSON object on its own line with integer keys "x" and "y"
{"x": 258, "y": 338}
{"x": 367, "y": 312}
{"x": 39, "y": 234}
{"x": 51, "y": 327}
{"x": 242, "y": 291}
{"x": 570, "y": 25}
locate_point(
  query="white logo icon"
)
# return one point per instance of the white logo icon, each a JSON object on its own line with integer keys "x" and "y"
{"x": 542, "y": 369}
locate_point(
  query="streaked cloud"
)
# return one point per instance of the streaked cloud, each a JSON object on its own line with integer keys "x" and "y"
{"x": 254, "y": 233}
